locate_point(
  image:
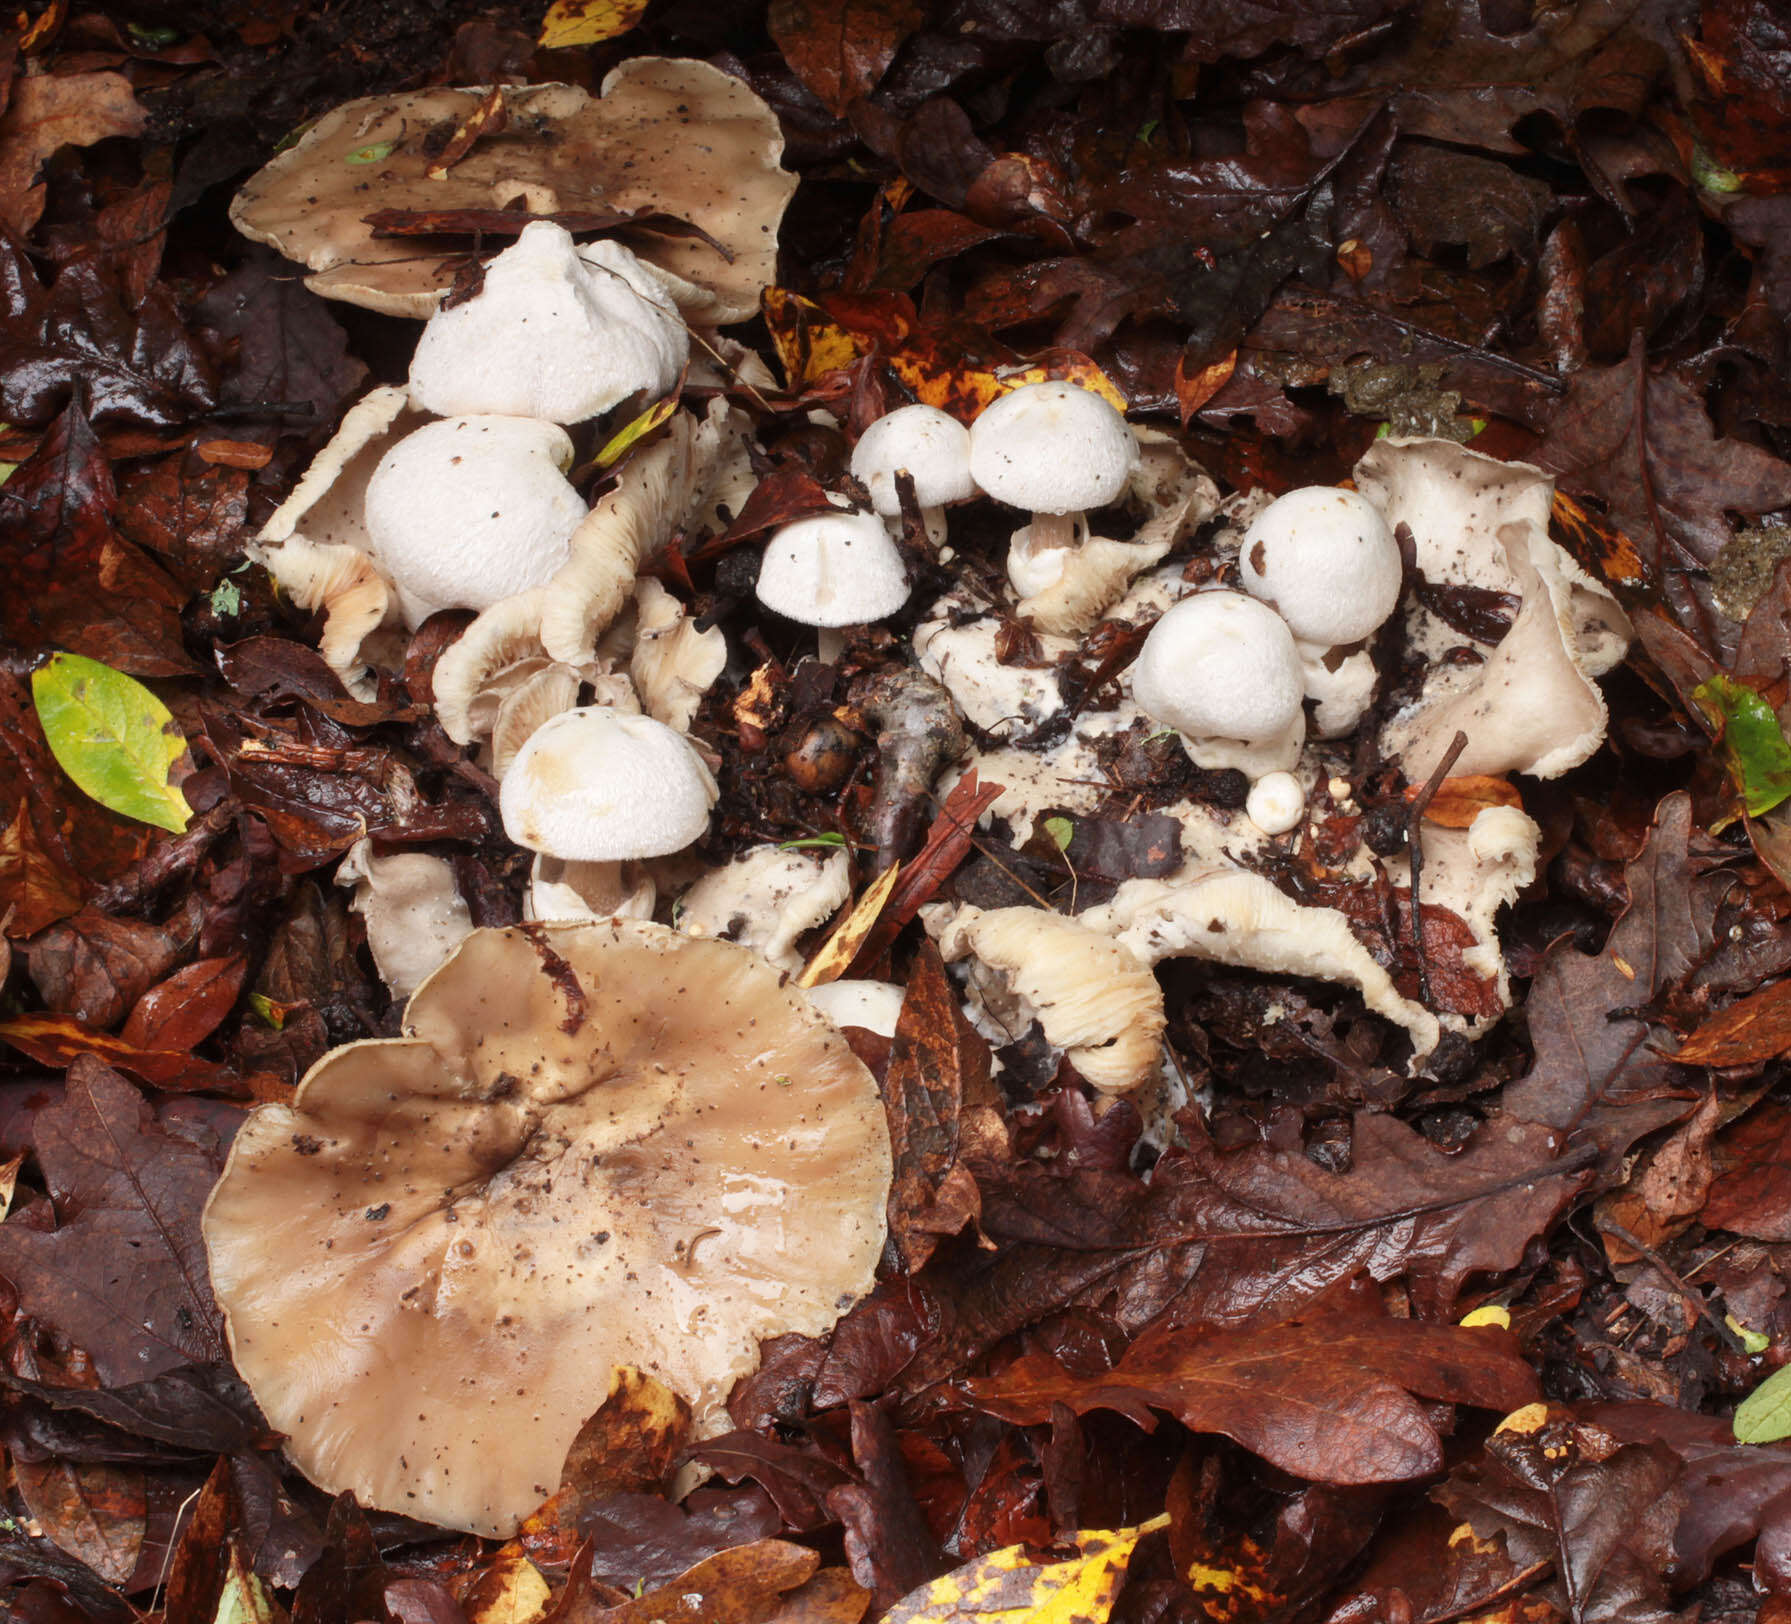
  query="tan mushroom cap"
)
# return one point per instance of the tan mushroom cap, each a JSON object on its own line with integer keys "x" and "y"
{"x": 602, "y": 1143}
{"x": 667, "y": 135}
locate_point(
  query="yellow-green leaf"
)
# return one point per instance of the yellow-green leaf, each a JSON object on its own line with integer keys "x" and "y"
{"x": 1004, "y": 1587}
{"x": 570, "y": 23}
{"x": 1764, "y": 1416}
{"x": 375, "y": 153}
{"x": 244, "y": 1599}
{"x": 113, "y": 737}
{"x": 1753, "y": 745}
{"x": 643, "y": 425}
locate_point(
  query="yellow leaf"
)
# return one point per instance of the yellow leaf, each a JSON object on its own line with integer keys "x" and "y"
{"x": 839, "y": 950}
{"x": 809, "y": 343}
{"x": 1004, "y": 1587}
{"x": 1491, "y": 1314}
{"x": 571, "y": 23}
{"x": 642, "y": 426}
{"x": 510, "y": 1591}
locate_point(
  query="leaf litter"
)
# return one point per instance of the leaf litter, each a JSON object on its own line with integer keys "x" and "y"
{"x": 1119, "y": 1364}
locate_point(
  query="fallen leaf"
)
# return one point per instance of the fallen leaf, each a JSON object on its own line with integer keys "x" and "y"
{"x": 184, "y": 1010}
{"x": 1008, "y": 1587}
{"x": 630, "y": 1444}
{"x": 617, "y": 445}
{"x": 739, "y": 1586}
{"x": 96, "y": 1512}
{"x": 200, "y": 1564}
{"x": 841, "y": 49}
{"x": 1331, "y": 1400}
{"x": 1751, "y": 1194}
{"x": 835, "y": 955}
{"x": 124, "y": 1276}
{"x": 511, "y": 1590}
{"x": 887, "y": 1540}
{"x": 1764, "y": 1416}
{"x": 1458, "y": 801}
{"x": 35, "y": 889}
{"x": 571, "y": 23}
{"x": 113, "y": 737}
{"x": 1751, "y": 742}
{"x": 59, "y": 1040}
{"x": 51, "y": 111}
{"x": 1755, "y": 1029}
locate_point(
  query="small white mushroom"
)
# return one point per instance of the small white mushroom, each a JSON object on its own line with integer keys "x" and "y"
{"x": 470, "y": 510}
{"x": 415, "y": 914}
{"x": 1341, "y": 683}
{"x": 1055, "y": 450}
{"x": 1096, "y": 1000}
{"x": 833, "y": 570}
{"x": 673, "y": 664}
{"x": 346, "y": 584}
{"x": 766, "y": 899}
{"x": 554, "y": 332}
{"x": 1276, "y": 803}
{"x": 599, "y": 786}
{"x": 1325, "y": 561}
{"x": 931, "y": 447}
{"x": 1223, "y": 671}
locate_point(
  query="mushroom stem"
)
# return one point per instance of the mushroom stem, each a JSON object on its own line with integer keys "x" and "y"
{"x": 1036, "y": 553}
{"x": 918, "y": 735}
{"x": 830, "y": 642}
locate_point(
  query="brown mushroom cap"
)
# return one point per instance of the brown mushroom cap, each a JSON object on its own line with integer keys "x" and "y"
{"x": 667, "y": 135}
{"x": 599, "y": 1143}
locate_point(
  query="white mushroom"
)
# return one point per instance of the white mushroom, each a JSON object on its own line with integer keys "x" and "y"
{"x": 931, "y": 447}
{"x": 833, "y": 570}
{"x": 1094, "y": 998}
{"x": 766, "y": 899}
{"x": 1528, "y": 703}
{"x": 1055, "y": 450}
{"x": 673, "y": 664}
{"x": 554, "y": 332}
{"x": 571, "y": 890}
{"x": 1325, "y": 561}
{"x": 414, "y": 912}
{"x": 469, "y": 510}
{"x": 1233, "y": 917}
{"x": 356, "y": 600}
{"x": 1276, "y": 803}
{"x": 1222, "y": 670}
{"x": 597, "y": 785}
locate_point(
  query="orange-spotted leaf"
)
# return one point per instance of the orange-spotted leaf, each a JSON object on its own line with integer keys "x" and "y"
{"x": 571, "y": 23}
{"x": 1458, "y": 801}
{"x": 839, "y": 950}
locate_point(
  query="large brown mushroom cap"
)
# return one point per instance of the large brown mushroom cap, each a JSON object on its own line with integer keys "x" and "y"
{"x": 599, "y": 1143}
{"x": 667, "y": 135}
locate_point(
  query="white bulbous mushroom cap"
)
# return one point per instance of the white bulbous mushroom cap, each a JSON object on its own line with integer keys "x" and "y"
{"x": 1276, "y": 803}
{"x": 836, "y": 569}
{"x": 931, "y": 445}
{"x": 600, "y": 786}
{"x": 1220, "y": 665}
{"x": 1325, "y": 561}
{"x": 1052, "y": 448}
{"x": 555, "y": 332}
{"x": 470, "y": 510}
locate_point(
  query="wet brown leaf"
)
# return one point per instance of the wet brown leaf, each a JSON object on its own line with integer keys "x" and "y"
{"x": 187, "y": 1008}
{"x": 1757, "y": 1028}
{"x": 1751, "y": 1194}
{"x": 1331, "y": 1399}
{"x": 48, "y": 111}
{"x": 35, "y": 889}
{"x": 744, "y": 1585}
{"x": 841, "y": 49}
{"x": 94, "y": 1511}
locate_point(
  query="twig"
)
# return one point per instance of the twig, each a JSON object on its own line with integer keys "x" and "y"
{"x": 1414, "y": 818}
{"x": 1609, "y": 1226}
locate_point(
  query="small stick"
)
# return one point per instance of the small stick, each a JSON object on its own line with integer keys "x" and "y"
{"x": 1660, "y": 1265}
{"x": 1415, "y": 845}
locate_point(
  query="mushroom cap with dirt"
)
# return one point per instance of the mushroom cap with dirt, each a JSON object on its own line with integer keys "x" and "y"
{"x": 666, "y": 136}
{"x": 835, "y": 569}
{"x": 1223, "y": 671}
{"x": 467, "y": 511}
{"x": 597, "y": 1144}
{"x": 598, "y": 785}
{"x": 1325, "y": 561}
{"x": 555, "y": 332}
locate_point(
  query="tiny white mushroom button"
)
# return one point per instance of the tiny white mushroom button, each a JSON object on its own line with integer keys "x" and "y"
{"x": 597, "y": 785}
{"x": 1325, "y": 561}
{"x": 1276, "y": 803}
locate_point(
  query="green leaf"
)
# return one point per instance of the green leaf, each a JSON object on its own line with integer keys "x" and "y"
{"x": 812, "y": 842}
{"x": 1751, "y": 1341}
{"x": 1764, "y": 1416}
{"x": 375, "y": 153}
{"x": 1752, "y": 743}
{"x": 113, "y": 737}
{"x": 1062, "y": 831}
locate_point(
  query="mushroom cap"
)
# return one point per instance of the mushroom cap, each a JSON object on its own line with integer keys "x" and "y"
{"x": 667, "y": 135}
{"x": 874, "y": 1005}
{"x": 598, "y": 1144}
{"x": 1052, "y": 448}
{"x": 931, "y": 445}
{"x": 469, "y": 510}
{"x": 1325, "y": 561}
{"x": 554, "y": 332}
{"x": 1220, "y": 665}
{"x": 597, "y": 785}
{"x": 1276, "y": 803}
{"x": 836, "y": 569}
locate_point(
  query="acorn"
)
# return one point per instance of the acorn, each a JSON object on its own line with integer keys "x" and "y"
{"x": 822, "y": 757}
